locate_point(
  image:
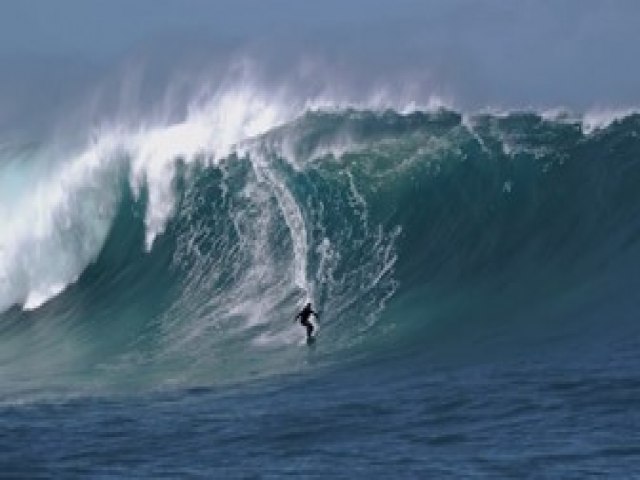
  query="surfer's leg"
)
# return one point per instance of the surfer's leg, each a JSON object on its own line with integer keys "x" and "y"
{"x": 309, "y": 326}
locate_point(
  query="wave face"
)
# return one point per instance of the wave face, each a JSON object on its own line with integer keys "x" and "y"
{"x": 179, "y": 254}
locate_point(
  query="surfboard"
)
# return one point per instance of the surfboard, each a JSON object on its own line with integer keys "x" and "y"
{"x": 311, "y": 340}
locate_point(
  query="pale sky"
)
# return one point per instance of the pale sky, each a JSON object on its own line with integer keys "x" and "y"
{"x": 579, "y": 54}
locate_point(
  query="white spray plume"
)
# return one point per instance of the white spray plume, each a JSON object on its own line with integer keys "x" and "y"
{"x": 55, "y": 229}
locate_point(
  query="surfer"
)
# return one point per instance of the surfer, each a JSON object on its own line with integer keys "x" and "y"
{"x": 304, "y": 316}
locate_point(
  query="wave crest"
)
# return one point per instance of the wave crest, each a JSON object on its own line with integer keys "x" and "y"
{"x": 196, "y": 242}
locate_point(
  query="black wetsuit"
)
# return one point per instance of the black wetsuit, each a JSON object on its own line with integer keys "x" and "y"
{"x": 304, "y": 317}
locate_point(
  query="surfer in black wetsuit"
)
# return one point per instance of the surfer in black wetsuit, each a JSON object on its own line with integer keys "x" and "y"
{"x": 304, "y": 316}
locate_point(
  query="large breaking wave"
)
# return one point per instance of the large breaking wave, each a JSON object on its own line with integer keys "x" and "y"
{"x": 179, "y": 253}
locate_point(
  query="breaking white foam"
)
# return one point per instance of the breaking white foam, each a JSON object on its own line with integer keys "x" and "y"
{"x": 603, "y": 117}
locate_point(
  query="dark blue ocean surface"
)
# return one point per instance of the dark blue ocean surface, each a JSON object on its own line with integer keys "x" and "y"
{"x": 543, "y": 417}
{"x": 476, "y": 280}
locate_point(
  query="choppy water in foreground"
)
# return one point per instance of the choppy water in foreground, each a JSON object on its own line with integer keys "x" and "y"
{"x": 529, "y": 418}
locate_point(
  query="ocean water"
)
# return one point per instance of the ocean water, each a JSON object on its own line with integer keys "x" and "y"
{"x": 475, "y": 276}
